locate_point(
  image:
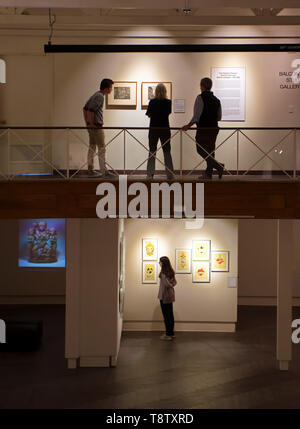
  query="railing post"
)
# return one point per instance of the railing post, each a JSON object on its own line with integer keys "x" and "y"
{"x": 295, "y": 154}
{"x": 237, "y": 151}
{"x": 8, "y": 153}
{"x": 181, "y": 152}
{"x": 124, "y": 152}
{"x": 68, "y": 153}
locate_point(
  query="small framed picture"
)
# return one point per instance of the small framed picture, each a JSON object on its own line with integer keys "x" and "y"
{"x": 220, "y": 260}
{"x": 123, "y": 96}
{"x": 149, "y": 272}
{"x": 150, "y": 249}
{"x": 148, "y": 92}
{"x": 183, "y": 261}
{"x": 201, "y": 272}
{"x": 201, "y": 250}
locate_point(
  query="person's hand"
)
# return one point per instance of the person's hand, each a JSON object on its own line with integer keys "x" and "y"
{"x": 186, "y": 127}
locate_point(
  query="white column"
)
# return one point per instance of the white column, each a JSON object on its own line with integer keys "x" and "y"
{"x": 284, "y": 292}
{"x": 73, "y": 266}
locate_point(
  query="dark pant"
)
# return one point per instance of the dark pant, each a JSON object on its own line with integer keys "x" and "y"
{"x": 154, "y": 136}
{"x": 167, "y": 311}
{"x": 206, "y": 140}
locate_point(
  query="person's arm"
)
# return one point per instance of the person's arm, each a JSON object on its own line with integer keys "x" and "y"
{"x": 220, "y": 113}
{"x": 85, "y": 115}
{"x": 198, "y": 109}
{"x": 149, "y": 109}
{"x": 171, "y": 282}
{"x": 90, "y": 118}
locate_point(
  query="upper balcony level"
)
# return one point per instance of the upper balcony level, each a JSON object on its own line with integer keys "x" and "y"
{"x": 44, "y": 170}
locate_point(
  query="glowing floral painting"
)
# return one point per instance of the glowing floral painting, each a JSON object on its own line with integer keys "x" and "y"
{"x": 183, "y": 261}
{"x": 201, "y": 250}
{"x": 201, "y": 272}
{"x": 149, "y": 272}
{"x": 220, "y": 260}
{"x": 149, "y": 249}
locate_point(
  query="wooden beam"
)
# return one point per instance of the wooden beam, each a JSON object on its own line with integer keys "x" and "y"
{"x": 145, "y": 4}
{"x": 77, "y": 198}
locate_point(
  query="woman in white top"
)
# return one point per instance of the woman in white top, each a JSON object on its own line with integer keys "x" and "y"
{"x": 166, "y": 295}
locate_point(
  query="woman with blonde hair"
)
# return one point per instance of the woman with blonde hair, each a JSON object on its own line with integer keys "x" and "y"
{"x": 159, "y": 109}
{"x": 166, "y": 296}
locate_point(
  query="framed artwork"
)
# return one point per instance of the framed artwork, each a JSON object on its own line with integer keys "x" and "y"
{"x": 201, "y": 272}
{"x": 220, "y": 260}
{"x": 149, "y": 272}
{"x": 149, "y": 249}
{"x": 148, "y": 92}
{"x": 123, "y": 96}
{"x": 201, "y": 250}
{"x": 182, "y": 261}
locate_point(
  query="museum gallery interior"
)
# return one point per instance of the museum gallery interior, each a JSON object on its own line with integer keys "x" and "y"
{"x": 79, "y": 294}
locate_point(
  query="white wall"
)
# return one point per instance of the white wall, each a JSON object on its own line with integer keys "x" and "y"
{"x": 51, "y": 90}
{"x": 198, "y": 306}
{"x": 93, "y": 324}
{"x": 257, "y": 262}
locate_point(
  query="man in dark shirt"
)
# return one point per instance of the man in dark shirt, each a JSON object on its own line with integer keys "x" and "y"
{"x": 159, "y": 109}
{"x": 207, "y": 113}
{"x": 93, "y": 116}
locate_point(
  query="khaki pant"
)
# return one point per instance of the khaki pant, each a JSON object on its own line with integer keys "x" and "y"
{"x": 96, "y": 142}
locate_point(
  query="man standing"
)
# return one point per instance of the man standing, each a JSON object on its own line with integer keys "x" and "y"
{"x": 207, "y": 113}
{"x": 93, "y": 116}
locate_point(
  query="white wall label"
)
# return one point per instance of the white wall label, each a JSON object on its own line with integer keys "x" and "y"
{"x": 2, "y": 71}
{"x": 229, "y": 85}
{"x": 232, "y": 282}
{"x": 179, "y": 105}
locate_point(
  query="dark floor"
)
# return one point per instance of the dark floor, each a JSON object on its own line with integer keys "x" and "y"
{"x": 196, "y": 370}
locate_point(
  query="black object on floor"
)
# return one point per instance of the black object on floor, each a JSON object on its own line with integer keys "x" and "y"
{"x": 22, "y": 336}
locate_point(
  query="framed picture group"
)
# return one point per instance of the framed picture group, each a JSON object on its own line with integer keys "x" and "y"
{"x": 201, "y": 261}
{"x": 124, "y": 94}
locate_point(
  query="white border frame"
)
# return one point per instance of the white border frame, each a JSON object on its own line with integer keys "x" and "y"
{"x": 177, "y": 271}
{"x": 208, "y": 270}
{"x": 195, "y": 258}
{"x": 143, "y": 270}
{"x": 149, "y": 258}
{"x": 224, "y": 270}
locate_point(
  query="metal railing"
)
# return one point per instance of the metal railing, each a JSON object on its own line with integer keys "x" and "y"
{"x": 61, "y": 152}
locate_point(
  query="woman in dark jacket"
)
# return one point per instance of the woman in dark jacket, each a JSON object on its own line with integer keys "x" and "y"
{"x": 159, "y": 109}
{"x": 166, "y": 295}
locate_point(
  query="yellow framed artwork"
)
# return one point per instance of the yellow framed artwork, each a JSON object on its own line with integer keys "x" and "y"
{"x": 149, "y": 272}
{"x": 201, "y": 272}
{"x": 149, "y": 249}
{"x": 201, "y": 250}
{"x": 220, "y": 260}
{"x": 183, "y": 261}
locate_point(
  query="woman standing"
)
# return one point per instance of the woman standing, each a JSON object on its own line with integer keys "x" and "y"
{"x": 159, "y": 109}
{"x": 166, "y": 295}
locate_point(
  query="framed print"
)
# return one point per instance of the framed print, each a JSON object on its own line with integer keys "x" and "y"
{"x": 201, "y": 250}
{"x": 149, "y": 249}
{"x": 220, "y": 260}
{"x": 149, "y": 272}
{"x": 123, "y": 96}
{"x": 182, "y": 261}
{"x": 201, "y": 272}
{"x": 148, "y": 92}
